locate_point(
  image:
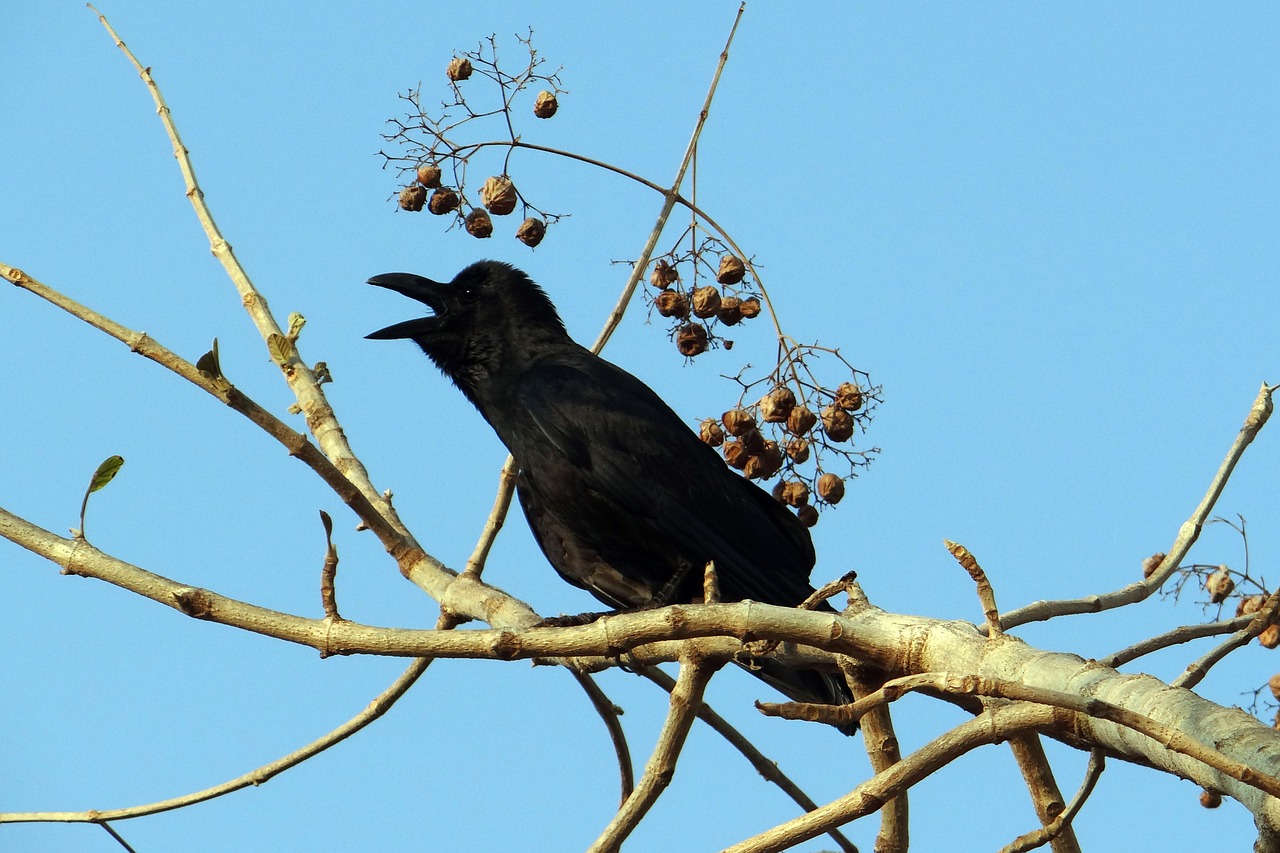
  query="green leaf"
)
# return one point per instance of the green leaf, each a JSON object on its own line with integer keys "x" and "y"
{"x": 209, "y": 363}
{"x": 279, "y": 347}
{"x": 106, "y": 473}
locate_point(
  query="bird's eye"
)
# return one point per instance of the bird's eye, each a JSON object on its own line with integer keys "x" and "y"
{"x": 470, "y": 293}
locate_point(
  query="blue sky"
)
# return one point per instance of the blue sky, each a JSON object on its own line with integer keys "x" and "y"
{"x": 1050, "y": 233}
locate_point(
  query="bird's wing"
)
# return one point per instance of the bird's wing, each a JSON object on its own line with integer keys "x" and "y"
{"x": 630, "y": 449}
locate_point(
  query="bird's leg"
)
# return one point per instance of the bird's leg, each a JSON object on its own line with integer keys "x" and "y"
{"x": 664, "y": 596}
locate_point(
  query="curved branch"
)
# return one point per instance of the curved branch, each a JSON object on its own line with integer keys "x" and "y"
{"x": 1039, "y": 611}
{"x": 609, "y": 712}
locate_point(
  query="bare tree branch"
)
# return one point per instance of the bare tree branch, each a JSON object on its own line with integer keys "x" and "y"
{"x": 610, "y": 713}
{"x": 1051, "y": 831}
{"x": 1039, "y": 611}
{"x": 1045, "y": 795}
{"x": 685, "y": 701}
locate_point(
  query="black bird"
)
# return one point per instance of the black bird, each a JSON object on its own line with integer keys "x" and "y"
{"x": 624, "y": 499}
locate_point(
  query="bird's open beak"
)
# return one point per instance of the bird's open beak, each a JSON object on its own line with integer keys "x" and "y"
{"x": 428, "y": 292}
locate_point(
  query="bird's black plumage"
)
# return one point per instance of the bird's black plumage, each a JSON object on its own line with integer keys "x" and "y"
{"x": 623, "y": 498}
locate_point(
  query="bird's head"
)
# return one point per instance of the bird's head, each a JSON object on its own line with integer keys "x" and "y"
{"x": 490, "y": 314}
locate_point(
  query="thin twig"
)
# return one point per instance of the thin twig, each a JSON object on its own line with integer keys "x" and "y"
{"x": 685, "y": 700}
{"x": 329, "y": 570}
{"x": 1037, "y": 838}
{"x": 497, "y": 516}
{"x": 669, "y": 203}
{"x": 986, "y": 595}
{"x": 763, "y": 765}
{"x": 610, "y": 713}
{"x": 1039, "y": 611}
{"x": 375, "y": 709}
{"x": 1263, "y": 618}
{"x": 111, "y": 831}
{"x": 1046, "y": 797}
{"x": 1179, "y": 635}
{"x": 987, "y": 728}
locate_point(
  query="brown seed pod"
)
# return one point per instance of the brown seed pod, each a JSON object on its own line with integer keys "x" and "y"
{"x": 711, "y": 432}
{"x": 777, "y": 405}
{"x": 808, "y": 515}
{"x": 731, "y": 269}
{"x": 1274, "y": 684}
{"x": 794, "y": 492}
{"x": 753, "y": 441}
{"x": 1152, "y": 563}
{"x": 766, "y": 463}
{"x": 691, "y": 339}
{"x": 798, "y": 450}
{"x": 663, "y": 275}
{"x": 800, "y": 420}
{"x": 498, "y": 195}
{"x": 1250, "y": 604}
{"x": 750, "y": 308}
{"x": 412, "y": 198}
{"x": 443, "y": 201}
{"x": 1270, "y": 637}
{"x": 545, "y": 105}
{"x": 737, "y": 422}
{"x": 429, "y": 175}
{"x": 459, "y": 69}
{"x": 730, "y": 312}
{"x": 849, "y": 396}
{"x": 1210, "y": 799}
{"x": 735, "y": 454}
{"x": 837, "y": 423}
{"x": 531, "y": 231}
{"x": 830, "y": 488}
{"x": 672, "y": 303}
{"x": 706, "y": 301}
{"x": 1219, "y": 585}
{"x": 479, "y": 224}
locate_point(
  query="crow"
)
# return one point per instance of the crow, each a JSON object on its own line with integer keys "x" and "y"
{"x": 624, "y": 499}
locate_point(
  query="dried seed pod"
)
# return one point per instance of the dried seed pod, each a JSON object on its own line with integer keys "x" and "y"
{"x": 531, "y": 231}
{"x": 750, "y": 308}
{"x": 849, "y": 396}
{"x": 1250, "y": 604}
{"x": 794, "y": 492}
{"x": 753, "y": 441}
{"x": 830, "y": 488}
{"x": 672, "y": 303}
{"x": 735, "y": 454}
{"x": 711, "y": 432}
{"x": 1270, "y": 637}
{"x": 731, "y": 269}
{"x": 498, "y": 195}
{"x": 443, "y": 201}
{"x": 479, "y": 224}
{"x": 663, "y": 275}
{"x": 730, "y": 312}
{"x": 412, "y": 198}
{"x": 798, "y": 450}
{"x": 1219, "y": 585}
{"x": 808, "y": 515}
{"x": 766, "y": 463}
{"x": 1274, "y": 684}
{"x": 1152, "y": 563}
{"x": 706, "y": 301}
{"x": 691, "y": 339}
{"x": 459, "y": 69}
{"x": 777, "y": 405}
{"x": 737, "y": 422}
{"x": 545, "y": 105}
{"x": 800, "y": 420}
{"x": 837, "y": 423}
{"x": 429, "y": 175}
{"x": 1210, "y": 799}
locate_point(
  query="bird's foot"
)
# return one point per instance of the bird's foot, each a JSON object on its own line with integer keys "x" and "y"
{"x": 572, "y": 620}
